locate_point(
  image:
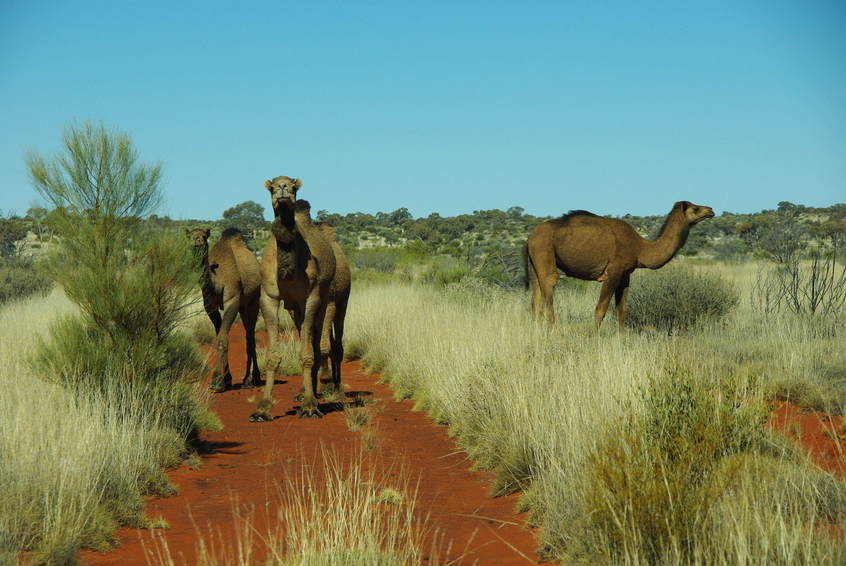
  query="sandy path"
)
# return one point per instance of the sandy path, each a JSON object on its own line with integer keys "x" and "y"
{"x": 247, "y": 460}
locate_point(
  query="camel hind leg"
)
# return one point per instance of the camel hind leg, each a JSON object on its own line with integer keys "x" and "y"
{"x": 270, "y": 312}
{"x": 609, "y": 286}
{"x": 338, "y": 342}
{"x": 325, "y": 373}
{"x": 310, "y": 338}
{"x": 249, "y": 316}
{"x": 222, "y": 378}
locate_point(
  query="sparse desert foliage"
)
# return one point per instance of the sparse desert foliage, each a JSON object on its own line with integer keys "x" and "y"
{"x": 676, "y": 299}
{"x": 110, "y": 381}
{"x": 639, "y": 449}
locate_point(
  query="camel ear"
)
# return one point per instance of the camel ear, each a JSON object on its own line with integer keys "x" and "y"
{"x": 297, "y": 183}
{"x": 267, "y": 184}
{"x": 208, "y": 232}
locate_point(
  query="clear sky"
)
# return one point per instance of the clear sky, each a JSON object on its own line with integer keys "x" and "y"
{"x": 449, "y": 107}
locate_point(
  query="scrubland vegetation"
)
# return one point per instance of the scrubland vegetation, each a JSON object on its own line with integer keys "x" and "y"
{"x": 100, "y": 392}
{"x": 351, "y": 514}
{"x": 646, "y": 447}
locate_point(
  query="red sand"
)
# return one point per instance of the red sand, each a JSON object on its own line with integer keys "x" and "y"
{"x": 820, "y": 434}
{"x": 248, "y": 460}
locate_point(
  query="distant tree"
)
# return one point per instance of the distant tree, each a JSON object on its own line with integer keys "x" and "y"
{"x": 37, "y": 215}
{"x": 12, "y": 229}
{"x": 248, "y": 216}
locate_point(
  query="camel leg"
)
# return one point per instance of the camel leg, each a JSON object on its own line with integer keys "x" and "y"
{"x": 542, "y": 264}
{"x": 309, "y": 345}
{"x": 270, "y": 312}
{"x": 547, "y": 285}
{"x": 325, "y": 373}
{"x": 249, "y": 314}
{"x": 605, "y": 293}
{"x": 212, "y": 309}
{"x": 534, "y": 286}
{"x": 338, "y": 343}
{"x": 621, "y": 294}
{"x": 222, "y": 379}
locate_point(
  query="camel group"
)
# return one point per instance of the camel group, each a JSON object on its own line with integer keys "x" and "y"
{"x": 304, "y": 270}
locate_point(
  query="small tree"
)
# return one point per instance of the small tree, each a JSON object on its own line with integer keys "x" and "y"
{"x": 130, "y": 283}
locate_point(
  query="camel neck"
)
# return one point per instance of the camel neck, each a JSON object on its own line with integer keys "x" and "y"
{"x": 656, "y": 253}
{"x": 284, "y": 229}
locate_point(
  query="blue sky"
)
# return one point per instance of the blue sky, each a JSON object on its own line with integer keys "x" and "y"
{"x": 450, "y": 107}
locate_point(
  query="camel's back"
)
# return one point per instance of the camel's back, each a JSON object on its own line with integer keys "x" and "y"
{"x": 237, "y": 265}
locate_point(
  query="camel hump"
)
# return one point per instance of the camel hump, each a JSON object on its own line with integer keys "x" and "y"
{"x": 230, "y": 233}
{"x": 318, "y": 244}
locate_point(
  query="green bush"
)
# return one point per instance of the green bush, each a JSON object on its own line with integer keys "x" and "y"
{"x": 676, "y": 299}
{"x": 134, "y": 288}
{"x": 659, "y": 484}
{"x": 17, "y": 282}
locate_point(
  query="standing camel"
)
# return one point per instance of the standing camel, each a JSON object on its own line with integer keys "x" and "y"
{"x": 230, "y": 282}
{"x": 586, "y": 246}
{"x": 297, "y": 270}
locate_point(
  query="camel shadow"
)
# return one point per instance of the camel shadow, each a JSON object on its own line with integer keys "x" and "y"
{"x": 352, "y": 399}
{"x": 258, "y": 384}
{"x": 207, "y": 447}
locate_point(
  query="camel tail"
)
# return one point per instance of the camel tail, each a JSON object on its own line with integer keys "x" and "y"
{"x": 526, "y": 265}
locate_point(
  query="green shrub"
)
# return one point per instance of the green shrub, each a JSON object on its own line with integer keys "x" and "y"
{"x": 656, "y": 486}
{"x": 17, "y": 282}
{"x": 676, "y": 299}
{"x": 135, "y": 289}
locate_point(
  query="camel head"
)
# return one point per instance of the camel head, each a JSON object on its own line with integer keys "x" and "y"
{"x": 694, "y": 213}
{"x": 283, "y": 191}
{"x": 199, "y": 238}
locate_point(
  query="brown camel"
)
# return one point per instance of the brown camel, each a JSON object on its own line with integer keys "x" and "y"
{"x": 586, "y": 246}
{"x": 230, "y": 282}
{"x": 297, "y": 270}
{"x": 336, "y": 311}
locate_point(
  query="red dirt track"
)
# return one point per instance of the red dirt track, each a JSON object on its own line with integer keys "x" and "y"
{"x": 246, "y": 461}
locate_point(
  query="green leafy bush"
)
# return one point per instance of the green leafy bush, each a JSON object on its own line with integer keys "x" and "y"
{"x": 657, "y": 485}
{"x": 676, "y": 299}
{"x": 17, "y": 282}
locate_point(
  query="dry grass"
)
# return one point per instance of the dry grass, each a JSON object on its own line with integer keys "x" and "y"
{"x": 76, "y": 465}
{"x": 352, "y": 516}
{"x": 548, "y": 408}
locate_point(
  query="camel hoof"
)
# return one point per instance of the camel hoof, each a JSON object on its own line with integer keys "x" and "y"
{"x": 260, "y": 417}
{"x": 218, "y": 387}
{"x": 309, "y": 413}
{"x": 250, "y": 383}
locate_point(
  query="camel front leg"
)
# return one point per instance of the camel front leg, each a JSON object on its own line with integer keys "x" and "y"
{"x": 222, "y": 379}
{"x": 325, "y": 373}
{"x": 621, "y": 295}
{"x": 605, "y": 293}
{"x": 309, "y": 343}
{"x": 270, "y": 312}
